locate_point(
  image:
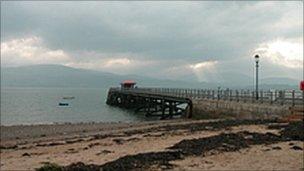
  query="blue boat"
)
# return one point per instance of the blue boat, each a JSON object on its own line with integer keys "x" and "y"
{"x": 63, "y": 104}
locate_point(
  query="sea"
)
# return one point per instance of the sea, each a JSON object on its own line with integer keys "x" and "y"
{"x": 30, "y": 106}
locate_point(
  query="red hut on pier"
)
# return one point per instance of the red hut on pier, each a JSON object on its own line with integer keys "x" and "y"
{"x": 302, "y": 85}
{"x": 127, "y": 84}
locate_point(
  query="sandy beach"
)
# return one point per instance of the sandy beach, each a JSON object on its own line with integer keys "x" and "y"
{"x": 156, "y": 145}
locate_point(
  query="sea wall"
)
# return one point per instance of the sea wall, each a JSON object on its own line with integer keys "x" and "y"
{"x": 208, "y": 108}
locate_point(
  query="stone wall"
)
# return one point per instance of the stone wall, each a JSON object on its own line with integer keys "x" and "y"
{"x": 207, "y": 108}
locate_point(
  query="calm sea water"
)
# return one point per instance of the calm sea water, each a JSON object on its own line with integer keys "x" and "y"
{"x": 41, "y": 105}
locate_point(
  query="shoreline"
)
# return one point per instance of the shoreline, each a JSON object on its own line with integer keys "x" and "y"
{"x": 76, "y": 123}
{"x": 12, "y": 136}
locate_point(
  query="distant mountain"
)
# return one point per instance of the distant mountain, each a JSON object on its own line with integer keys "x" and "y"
{"x": 279, "y": 80}
{"x": 62, "y": 76}
{"x": 54, "y": 76}
{"x": 237, "y": 81}
{"x": 232, "y": 79}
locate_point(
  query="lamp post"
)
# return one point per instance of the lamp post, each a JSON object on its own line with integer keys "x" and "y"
{"x": 256, "y": 57}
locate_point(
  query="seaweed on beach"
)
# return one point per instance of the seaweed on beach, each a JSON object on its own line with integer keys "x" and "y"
{"x": 143, "y": 161}
{"x": 129, "y": 162}
{"x": 192, "y": 147}
{"x": 50, "y": 167}
{"x": 81, "y": 167}
{"x": 194, "y": 127}
{"x": 225, "y": 142}
{"x": 294, "y": 131}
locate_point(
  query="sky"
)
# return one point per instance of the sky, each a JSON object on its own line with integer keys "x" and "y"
{"x": 196, "y": 41}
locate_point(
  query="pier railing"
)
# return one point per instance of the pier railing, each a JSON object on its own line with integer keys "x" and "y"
{"x": 279, "y": 97}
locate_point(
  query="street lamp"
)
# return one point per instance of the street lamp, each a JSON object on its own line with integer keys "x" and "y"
{"x": 256, "y": 57}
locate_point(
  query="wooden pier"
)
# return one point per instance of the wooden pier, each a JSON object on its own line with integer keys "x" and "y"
{"x": 150, "y": 102}
{"x": 170, "y": 102}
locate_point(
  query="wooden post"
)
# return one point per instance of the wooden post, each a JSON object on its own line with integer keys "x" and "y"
{"x": 156, "y": 105}
{"x": 170, "y": 109}
{"x": 275, "y": 95}
{"x": 244, "y": 96}
{"x": 218, "y": 94}
{"x": 271, "y": 98}
{"x": 230, "y": 95}
{"x": 190, "y": 109}
{"x": 293, "y": 97}
{"x": 281, "y": 97}
{"x": 148, "y": 105}
{"x": 237, "y": 95}
{"x": 199, "y": 93}
{"x": 163, "y": 107}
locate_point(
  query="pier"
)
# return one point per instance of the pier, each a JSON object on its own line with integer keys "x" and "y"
{"x": 151, "y": 101}
{"x": 170, "y": 102}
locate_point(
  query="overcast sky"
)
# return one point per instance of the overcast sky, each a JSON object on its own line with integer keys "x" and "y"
{"x": 179, "y": 40}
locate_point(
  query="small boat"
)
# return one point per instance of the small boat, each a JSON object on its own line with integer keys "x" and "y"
{"x": 63, "y": 104}
{"x": 68, "y": 97}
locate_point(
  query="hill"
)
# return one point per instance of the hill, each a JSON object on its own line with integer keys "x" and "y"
{"x": 63, "y": 76}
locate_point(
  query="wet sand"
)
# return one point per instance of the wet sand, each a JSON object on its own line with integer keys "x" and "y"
{"x": 110, "y": 145}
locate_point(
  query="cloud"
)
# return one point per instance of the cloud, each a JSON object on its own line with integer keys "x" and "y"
{"x": 204, "y": 70}
{"x": 200, "y": 71}
{"x": 203, "y": 65}
{"x": 282, "y": 52}
{"x": 119, "y": 62}
{"x": 30, "y": 51}
{"x": 117, "y": 65}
